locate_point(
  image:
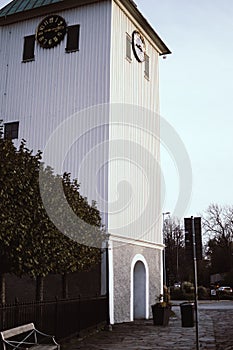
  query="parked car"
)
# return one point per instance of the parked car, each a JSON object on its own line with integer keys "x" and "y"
{"x": 177, "y": 285}
{"x": 225, "y": 290}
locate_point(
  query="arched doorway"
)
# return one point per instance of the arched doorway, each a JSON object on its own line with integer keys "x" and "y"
{"x": 139, "y": 291}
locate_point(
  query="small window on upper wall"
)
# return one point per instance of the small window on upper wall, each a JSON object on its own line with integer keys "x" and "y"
{"x": 72, "y": 43}
{"x": 147, "y": 67}
{"x": 28, "y": 48}
{"x": 128, "y": 47}
{"x": 11, "y": 130}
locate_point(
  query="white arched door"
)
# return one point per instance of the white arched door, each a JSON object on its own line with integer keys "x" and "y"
{"x": 139, "y": 291}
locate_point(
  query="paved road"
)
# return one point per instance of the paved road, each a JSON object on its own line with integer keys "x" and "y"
{"x": 215, "y": 330}
{"x": 216, "y": 305}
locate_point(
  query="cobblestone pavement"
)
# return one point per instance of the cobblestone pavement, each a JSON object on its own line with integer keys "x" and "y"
{"x": 223, "y": 329}
{"x": 215, "y": 333}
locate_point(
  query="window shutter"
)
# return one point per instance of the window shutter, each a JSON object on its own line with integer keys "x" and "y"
{"x": 28, "y": 48}
{"x": 11, "y": 130}
{"x": 128, "y": 47}
{"x": 147, "y": 66}
{"x": 73, "y": 38}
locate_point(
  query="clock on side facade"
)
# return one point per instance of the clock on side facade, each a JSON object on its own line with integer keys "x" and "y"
{"x": 51, "y": 31}
{"x": 139, "y": 47}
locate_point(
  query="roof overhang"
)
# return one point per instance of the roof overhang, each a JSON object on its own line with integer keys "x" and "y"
{"x": 44, "y": 10}
{"x": 133, "y": 10}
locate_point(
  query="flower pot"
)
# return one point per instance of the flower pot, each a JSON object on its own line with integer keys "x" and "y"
{"x": 161, "y": 314}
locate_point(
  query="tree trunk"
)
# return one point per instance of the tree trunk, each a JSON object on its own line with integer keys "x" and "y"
{"x": 2, "y": 288}
{"x": 39, "y": 288}
{"x": 64, "y": 286}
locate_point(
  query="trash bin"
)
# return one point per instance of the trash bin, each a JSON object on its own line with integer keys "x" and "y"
{"x": 187, "y": 314}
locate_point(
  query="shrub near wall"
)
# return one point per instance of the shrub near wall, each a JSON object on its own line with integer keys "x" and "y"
{"x": 203, "y": 293}
{"x": 179, "y": 294}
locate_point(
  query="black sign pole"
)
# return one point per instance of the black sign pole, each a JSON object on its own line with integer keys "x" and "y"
{"x": 195, "y": 282}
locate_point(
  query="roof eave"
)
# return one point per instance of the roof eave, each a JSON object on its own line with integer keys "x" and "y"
{"x": 132, "y": 8}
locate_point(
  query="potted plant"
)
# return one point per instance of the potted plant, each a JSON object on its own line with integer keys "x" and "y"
{"x": 162, "y": 309}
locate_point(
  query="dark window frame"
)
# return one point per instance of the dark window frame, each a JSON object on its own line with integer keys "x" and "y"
{"x": 73, "y": 36}
{"x": 29, "y": 48}
{"x": 11, "y": 130}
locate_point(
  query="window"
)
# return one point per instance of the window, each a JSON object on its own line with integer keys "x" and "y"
{"x": 28, "y": 48}
{"x": 128, "y": 47}
{"x": 147, "y": 67}
{"x": 11, "y": 130}
{"x": 73, "y": 38}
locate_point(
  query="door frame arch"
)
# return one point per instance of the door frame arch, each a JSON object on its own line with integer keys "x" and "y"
{"x": 138, "y": 257}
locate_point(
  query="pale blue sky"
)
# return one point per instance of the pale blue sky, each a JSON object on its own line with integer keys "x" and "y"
{"x": 196, "y": 87}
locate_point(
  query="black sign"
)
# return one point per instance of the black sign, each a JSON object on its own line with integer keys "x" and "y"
{"x": 189, "y": 237}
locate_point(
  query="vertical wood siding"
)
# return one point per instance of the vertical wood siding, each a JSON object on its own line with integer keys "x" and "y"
{"x": 129, "y": 86}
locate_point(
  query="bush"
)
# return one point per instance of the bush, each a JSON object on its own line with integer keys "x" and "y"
{"x": 187, "y": 287}
{"x": 181, "y": 295}
{"x": 203, "y": 293}
{"x": 225, "y": 297}
{"x": 187, "y": 292}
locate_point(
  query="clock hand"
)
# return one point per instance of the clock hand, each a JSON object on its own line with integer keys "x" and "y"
{"x": 140, "y": 47}
{"x": 56, "y": 29}
{"x": 49, "y": 30}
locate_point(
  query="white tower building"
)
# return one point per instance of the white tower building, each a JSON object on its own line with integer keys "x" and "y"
{"x": 88, "y": 69}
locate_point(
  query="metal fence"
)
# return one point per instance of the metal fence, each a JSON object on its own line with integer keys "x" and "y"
{"x": 61, "y": 318}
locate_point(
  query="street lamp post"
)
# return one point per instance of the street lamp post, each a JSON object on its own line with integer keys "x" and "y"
{"x": 177, "y": 236}
{"x": 164, "y": 264}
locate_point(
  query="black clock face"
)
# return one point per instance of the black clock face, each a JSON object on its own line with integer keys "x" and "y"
{"x": 139, "y": 47}
{"x": 51, "y": 31}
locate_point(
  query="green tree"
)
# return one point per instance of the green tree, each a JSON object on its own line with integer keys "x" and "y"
{"x": 30, "y": 243}
{"x": 179, "y": 266}
{"x": 218, "y": 227}
{"x": 174, "y": 242}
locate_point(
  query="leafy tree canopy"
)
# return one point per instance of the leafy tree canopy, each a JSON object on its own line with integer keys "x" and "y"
{"x": 30, "y": 242}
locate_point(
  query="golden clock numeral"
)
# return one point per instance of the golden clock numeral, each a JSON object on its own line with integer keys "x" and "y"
{"x": 41, "y": 28}
{"x": 45, "y": 41}
{"x": 41, "y": 38}
{"x": 55, "y": 38}
{"x": 50, "y": 41}
{"x": 51, "y": 20}
{"x": 45, "y": 23}
{"x": 40, "y": 33}
{"x": 59, "y": 34}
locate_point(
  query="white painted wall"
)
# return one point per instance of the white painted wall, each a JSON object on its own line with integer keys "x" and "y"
{"x": 134, "y": 179}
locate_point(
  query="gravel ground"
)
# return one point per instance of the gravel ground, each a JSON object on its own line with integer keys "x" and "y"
{"x": 223, "y": 329}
